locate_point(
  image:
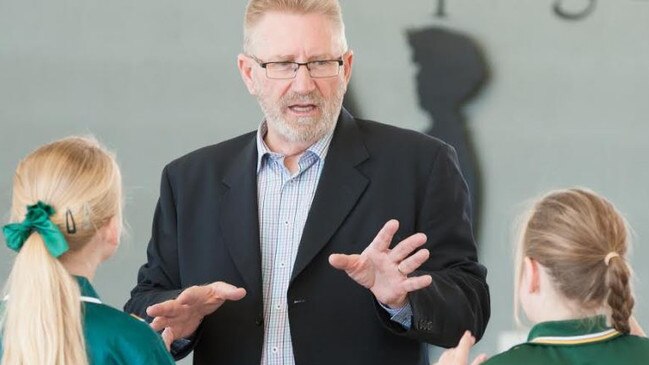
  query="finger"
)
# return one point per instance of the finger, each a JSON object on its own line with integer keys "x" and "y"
{"x": 160, "y": 323}
{"x": 344, "y": 262}
{"x": 168, "y": 337}
{"x": 413, "y": 262}
{"x": 382, "y": 240}
{"x": 480, "y": 359}
{"x": 195, "y": 295}
{"x": 227, "y": 291}
{"x": 169, "y": 308}
{"x": 210, "y": 294}
{"x": 417, "y": 282}
{"x": 406, "y": 247}
{"x": 465, "y": 344}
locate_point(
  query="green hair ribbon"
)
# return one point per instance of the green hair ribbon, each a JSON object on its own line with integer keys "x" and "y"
{"x": 37, "y": 219}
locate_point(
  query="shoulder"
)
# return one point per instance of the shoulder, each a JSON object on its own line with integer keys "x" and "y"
{"x": 214, "y": 155}
{"x": 113, "y": 322}
{"x": 385, "y": 141}
{"x": 519, "y": 354}
{"x": 392, "y": 136}
{"x": 112, "y": 333}
{"x": 405, "y": 149}
{"x": 626, "y": 349}
{"x": 632, "y": 343}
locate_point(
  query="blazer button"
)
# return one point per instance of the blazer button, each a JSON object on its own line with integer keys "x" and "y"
{"x": 259, "y": 321}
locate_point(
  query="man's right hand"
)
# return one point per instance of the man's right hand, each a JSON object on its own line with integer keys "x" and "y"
{"x": 183, "y": 314}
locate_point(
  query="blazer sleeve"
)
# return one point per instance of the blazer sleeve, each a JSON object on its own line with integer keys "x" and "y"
{"x": 458, "y": 298}
{"x": 158, "y": 279}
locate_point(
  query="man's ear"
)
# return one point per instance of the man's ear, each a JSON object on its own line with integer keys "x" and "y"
{"x": 532, "y": 278}
{"x": 348, "y": 61}
{"x": 246, "y": 65}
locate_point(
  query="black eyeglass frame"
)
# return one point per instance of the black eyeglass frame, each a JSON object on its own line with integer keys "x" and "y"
{"x": 297, "y": 66}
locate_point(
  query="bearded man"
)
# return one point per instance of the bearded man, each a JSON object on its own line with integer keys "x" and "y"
{"x": 324, "y": 239}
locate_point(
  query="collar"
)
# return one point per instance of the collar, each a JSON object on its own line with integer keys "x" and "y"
{"x": 572, "y": 332}
{"x": 320, "y": 148}
{"x": 88, "y": 293}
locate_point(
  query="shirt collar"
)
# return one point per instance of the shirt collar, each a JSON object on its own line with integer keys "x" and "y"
{"x": 88, "y": 293}
{"x": 320, "y": 148}
{"x": 572, "y": 332}
{"x": 86, "y": 288}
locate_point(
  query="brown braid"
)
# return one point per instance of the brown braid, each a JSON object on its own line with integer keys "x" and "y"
{"x": 620, "y": 298}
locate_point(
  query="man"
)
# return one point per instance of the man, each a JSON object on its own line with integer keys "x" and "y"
{"x": 267, "y": 218}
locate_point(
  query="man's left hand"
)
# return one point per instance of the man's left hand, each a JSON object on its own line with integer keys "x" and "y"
{"x": 385, "y": 271}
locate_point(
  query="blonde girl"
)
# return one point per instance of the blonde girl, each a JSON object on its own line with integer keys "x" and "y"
{"x": 574, "y": 283}
{"x": 66, "y": 219}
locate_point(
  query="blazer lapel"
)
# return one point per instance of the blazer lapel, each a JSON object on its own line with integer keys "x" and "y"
{"x": 240, "y": 216}
{"x": 340, "y": 187}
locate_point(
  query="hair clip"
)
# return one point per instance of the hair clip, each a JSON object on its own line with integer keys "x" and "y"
{"x": 72, "y": 229}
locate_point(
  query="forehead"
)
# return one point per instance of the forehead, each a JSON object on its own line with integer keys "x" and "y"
{"x": 281, "y": 34}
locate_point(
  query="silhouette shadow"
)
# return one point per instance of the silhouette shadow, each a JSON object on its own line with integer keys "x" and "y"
{"x": 451, "y": 71}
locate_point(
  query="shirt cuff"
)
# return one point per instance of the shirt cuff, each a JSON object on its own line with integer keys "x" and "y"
{"x": 180, "y": 345}
{"x": 402, "y": 315}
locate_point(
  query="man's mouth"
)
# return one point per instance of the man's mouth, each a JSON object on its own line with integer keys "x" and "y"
{"x": 303, "y": 109}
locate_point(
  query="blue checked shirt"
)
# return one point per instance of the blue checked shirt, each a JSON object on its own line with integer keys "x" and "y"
{"x": 284, "y": 203}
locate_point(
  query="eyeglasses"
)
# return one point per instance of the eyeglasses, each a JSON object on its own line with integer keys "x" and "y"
{"x": 288, "y": 70}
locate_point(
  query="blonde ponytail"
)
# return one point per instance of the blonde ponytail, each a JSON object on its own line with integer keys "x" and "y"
{"x": 42, "y": 322}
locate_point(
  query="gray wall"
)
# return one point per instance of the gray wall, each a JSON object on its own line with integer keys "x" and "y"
{"x": 566, "y": 105}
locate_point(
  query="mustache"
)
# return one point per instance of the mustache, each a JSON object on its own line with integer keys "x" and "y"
{"x": 310, "y": 98}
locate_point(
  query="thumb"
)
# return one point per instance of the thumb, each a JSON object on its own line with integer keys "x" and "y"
{"x": 342, "y": 262}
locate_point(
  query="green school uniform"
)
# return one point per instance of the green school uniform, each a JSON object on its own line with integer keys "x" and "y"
{"x": 587, "y": 341}
{"x": 116, "y": 338}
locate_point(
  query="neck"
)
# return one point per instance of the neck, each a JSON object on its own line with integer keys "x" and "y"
{"x": 291, "y": 150}
{"x": 79, "y": 267}
{"x": 552, "y": 306}
{"x": 554, "y": 310}
{"x": 83, "y": 262}
{"x": 288, "y": 148}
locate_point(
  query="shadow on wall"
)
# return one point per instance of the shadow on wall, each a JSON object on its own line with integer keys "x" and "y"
{"x": 451, "y": 71}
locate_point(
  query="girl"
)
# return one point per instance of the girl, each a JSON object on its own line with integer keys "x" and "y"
{"x": 67, "y": 209}
{"x": 573, "y": 282}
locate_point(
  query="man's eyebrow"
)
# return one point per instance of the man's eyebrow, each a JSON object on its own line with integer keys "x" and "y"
{"x": 321, "y": 57}
{"x": 290, "y": 58}
{"x": 281, "y": 58}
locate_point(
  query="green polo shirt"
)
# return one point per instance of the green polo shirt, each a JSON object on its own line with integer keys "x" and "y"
{"x": 116, "y": 338}
{"x": 586, "y": 341}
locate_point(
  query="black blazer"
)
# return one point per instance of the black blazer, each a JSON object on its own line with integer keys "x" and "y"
{"x": 206, "y": 229}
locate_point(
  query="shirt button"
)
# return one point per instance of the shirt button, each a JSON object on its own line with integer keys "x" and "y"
{"x": 275, "y": 350}
{"x": 278, "y": 306}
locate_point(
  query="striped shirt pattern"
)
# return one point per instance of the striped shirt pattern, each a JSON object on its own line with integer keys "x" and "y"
{"x": 284, "y": 203}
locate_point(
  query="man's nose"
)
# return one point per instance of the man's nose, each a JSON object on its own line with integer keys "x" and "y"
{"x": 303, "y": 82}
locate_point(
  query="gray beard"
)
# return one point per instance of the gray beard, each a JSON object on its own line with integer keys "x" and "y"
{"x": 305, "y": 130}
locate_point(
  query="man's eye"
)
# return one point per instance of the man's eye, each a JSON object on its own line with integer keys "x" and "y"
{"x": 321, "y": 63}
{"x": 282, "y": 65}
